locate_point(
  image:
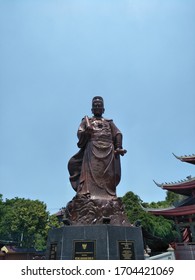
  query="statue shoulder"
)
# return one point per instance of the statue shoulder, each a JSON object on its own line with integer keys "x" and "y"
{"x": 90, "y": 118}
{"x": 109, "y": 120}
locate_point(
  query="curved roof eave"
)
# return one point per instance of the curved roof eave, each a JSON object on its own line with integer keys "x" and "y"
{"x": 175, "y": 211}
{"x": 187, "y": 159}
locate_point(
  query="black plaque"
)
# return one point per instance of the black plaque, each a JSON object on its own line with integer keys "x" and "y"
{"x": 84, "y": 250}
{"x": 53, "y": 251}
{"x": 126, "y": 250}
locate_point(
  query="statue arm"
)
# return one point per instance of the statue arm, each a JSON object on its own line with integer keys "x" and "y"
{"x": 117, "y": 140}
{"x": 83, "y": 133}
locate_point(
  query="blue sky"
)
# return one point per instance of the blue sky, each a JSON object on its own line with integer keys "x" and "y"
{"x": 139, "y": 55}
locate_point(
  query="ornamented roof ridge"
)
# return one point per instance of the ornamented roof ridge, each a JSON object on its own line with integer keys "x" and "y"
{"x": 183, "y": 181}
{"x": 186, "y": 158}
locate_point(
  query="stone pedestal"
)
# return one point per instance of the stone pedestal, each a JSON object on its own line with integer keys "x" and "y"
{"x": 82, "y": 210}
{"x": 95, "y": 242}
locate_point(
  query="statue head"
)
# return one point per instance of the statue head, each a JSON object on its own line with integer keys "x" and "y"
{"x": 97, "y": 106}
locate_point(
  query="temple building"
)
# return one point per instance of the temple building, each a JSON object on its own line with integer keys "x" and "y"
{"x": 183, "y": 213}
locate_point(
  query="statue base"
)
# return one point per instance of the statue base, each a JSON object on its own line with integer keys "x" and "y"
{"x": 95, "y": 242}
{"x": 82, "y": 210}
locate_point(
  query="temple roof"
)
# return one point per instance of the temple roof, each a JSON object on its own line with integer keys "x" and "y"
{"x": 13, "y": 249}
{"x": 173, "y": 211}
{"x": 188, "y": 159}
{"x": 183, "y": 187}
{"x": 183, "y": 208}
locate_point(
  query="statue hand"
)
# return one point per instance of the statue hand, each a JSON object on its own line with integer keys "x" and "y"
{"x": 119, "y": 151}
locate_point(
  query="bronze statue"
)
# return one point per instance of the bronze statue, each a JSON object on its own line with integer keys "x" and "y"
{"x": 95, "y": 170}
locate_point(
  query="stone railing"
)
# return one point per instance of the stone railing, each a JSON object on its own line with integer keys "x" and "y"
{"x": 169, "y": 255}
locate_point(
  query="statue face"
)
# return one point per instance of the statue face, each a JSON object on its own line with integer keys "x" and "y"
{"x": 97, "y": 108}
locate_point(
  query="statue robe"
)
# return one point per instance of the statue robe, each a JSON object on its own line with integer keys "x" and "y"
{"x": 95, "y": 170}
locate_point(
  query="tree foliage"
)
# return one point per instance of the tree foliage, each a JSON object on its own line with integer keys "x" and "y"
{"x": 171, "y": 199}
{"x": 25, "y": 222}
{"x": 155, "y": 225}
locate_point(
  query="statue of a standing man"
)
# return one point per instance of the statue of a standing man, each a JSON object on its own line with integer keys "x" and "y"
{"x": 95, "y": 170}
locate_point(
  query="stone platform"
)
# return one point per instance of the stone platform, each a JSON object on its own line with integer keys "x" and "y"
{"x": 95, "y": 242}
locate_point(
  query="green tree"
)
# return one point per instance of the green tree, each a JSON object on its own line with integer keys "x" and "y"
{"x": 173, "y": 198}
{"x": 133, "y": 207}
{"x": 1, "y": 216}
{"x": 26, "y": 222}
{"x": 1, "y": 206}
{"x": 154, "y": 225}
{"x": 170, "y": 200}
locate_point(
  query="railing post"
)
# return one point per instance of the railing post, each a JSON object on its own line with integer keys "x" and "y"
{"x": 171, "y": 251}
{"x": 146, "y": 256}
